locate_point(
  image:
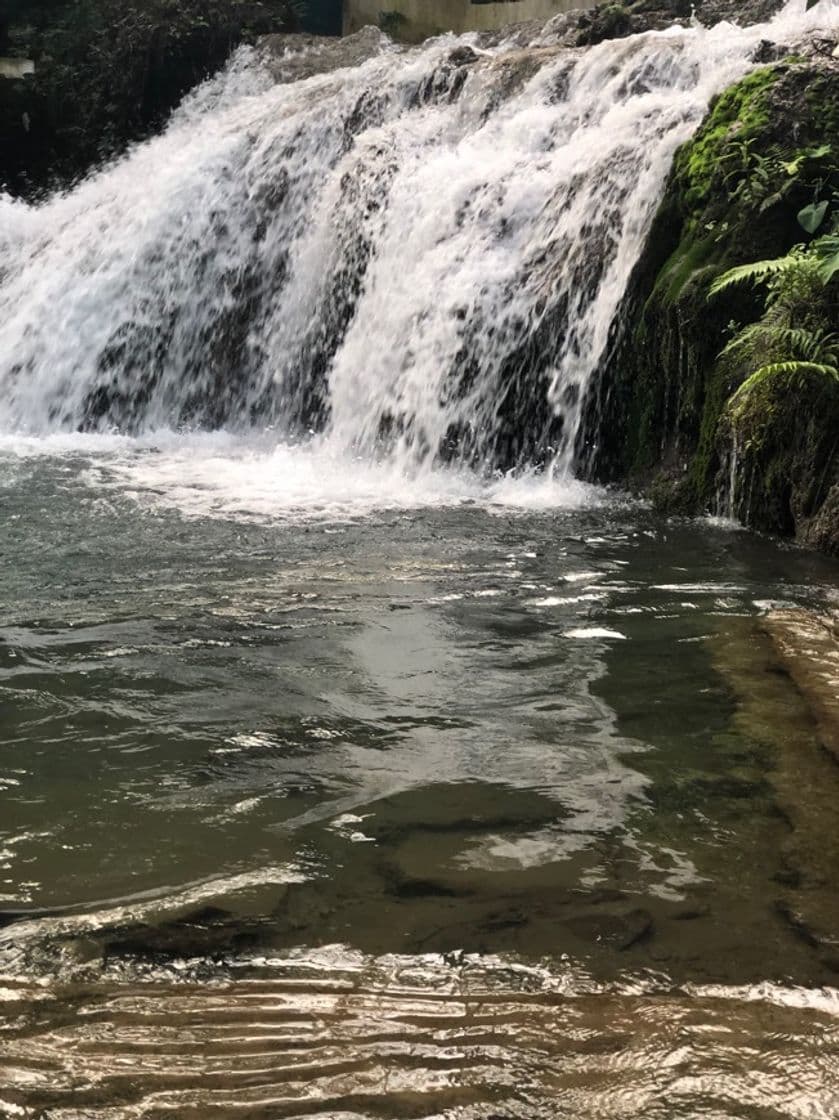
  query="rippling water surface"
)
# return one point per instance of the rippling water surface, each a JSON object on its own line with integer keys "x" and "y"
{"x": 328, "y": 791}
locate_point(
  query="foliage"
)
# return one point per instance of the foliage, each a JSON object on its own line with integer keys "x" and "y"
{"x": 110, "y": 71}
{"x": 764, "y": 181}
{"x": 747, "y": 187}
{"x": 723, "y": 146}
{"x": 790, "y": 338}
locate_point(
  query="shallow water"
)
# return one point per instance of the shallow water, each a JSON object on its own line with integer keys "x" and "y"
{"x": 331, "y": 791}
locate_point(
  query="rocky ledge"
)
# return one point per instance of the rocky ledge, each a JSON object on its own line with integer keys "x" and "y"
{"x": 667, "y": 416}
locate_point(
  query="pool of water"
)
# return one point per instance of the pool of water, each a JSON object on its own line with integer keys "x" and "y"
{"x": 296, "y": 748}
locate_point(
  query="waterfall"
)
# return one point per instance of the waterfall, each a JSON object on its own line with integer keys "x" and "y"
{"x": 413, "y": 254}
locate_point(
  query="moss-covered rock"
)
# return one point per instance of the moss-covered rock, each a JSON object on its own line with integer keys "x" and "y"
{"x": 659, "y": 409}
{"x": 778, "y": 452}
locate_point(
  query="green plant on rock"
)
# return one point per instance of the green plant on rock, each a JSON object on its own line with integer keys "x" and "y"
{"x": 722, "y": 150}
{"x": 763, "y": 181}
{"x": 792, "y": 337}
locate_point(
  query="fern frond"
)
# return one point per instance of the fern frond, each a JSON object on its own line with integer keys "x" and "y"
{"x": 813, "y": 346}
{"x": 754, "y": 332}
{"x": 755, "y": 273}
{"x": 775, "y": 369}
{"x": 827, "y": 251}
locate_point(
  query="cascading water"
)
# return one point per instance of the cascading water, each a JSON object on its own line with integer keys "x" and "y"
{"x": 420, "y": 255}
{"x": 319, "y": 797}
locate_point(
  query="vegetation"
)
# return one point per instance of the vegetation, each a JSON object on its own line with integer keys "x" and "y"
{"x": 791, "y": 336}
{"x": 108, "y": 72}
{"x": 751, "y": 215}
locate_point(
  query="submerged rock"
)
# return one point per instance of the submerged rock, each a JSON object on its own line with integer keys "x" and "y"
{"x": 783, "y": 670}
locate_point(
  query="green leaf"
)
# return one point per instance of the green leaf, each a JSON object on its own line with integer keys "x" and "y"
{"x": 827, "y": 251}
{"x": 776, "y": 369}
{"x": 756, "y": 273}
{"x": 794, "y": 165}
{"x": 812, "y": 216}
{"x": 820, "y": 152}
{"x": 829, "y": 267}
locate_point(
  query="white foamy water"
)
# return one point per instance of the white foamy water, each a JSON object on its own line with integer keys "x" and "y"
{"x": 217, "y": 474}
{"x": 419, "y": 256}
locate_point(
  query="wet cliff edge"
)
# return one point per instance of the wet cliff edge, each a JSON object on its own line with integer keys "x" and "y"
{"x": 663, "y": 417}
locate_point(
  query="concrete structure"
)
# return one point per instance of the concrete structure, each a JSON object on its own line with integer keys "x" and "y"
{"x": 414, "y": 20}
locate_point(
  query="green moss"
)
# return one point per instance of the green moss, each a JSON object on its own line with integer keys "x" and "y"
{"x": 822, "y": 99}
{"x": 673, "y": 496}
{"x": 721, "y": 146}
{"x": 705, "y": 462}
{"x": 784, "y": 431}
{"x": 664, "y": 419}
{"x": 691, "y": 256}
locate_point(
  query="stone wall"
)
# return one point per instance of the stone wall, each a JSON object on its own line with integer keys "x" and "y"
{"x": 415, "y": 20}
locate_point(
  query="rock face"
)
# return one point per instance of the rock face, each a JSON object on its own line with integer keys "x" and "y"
{"x": 660, "y": 417}
{"x": 105, "y": 73}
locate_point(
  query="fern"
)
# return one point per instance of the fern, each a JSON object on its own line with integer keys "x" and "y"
{"x": 827, "y": 251}
{"x": 755, "y": 332}
{"x": 816, "y": 346}
{"x": 777, "y": 369}
{"x": 758, "y": 272}
{"x": 772, "y": 332}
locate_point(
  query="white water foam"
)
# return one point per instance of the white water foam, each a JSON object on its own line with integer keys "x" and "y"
{"x": 217, "y": 474}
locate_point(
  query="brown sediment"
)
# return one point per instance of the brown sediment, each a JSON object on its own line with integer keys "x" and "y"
{"x": 807, "y": 645}
{"x": 780, "y": 669}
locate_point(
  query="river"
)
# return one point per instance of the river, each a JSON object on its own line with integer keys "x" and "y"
{"x": 328, "y": 792}
{"x": 357, "y": 759}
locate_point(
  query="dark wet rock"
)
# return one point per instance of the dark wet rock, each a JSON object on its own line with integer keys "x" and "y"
{"x": 619, "y": 931}
{"x": 293, "y": 57}
{"x": 766, "y": 52}
{"x": 512, "y": 918}
{"x": 801, "y": 893}
{"x": 208, "y": 931}
{"x": 788, "y": 877}
{"x": 463, "y": 56}
{"x": 691, "y": 914}
{"x": 617, "y": 20}
{"x": 808, "y": 646}
{"x": 600, "y": 896}
{"x": 8, "y": 917}
{"x": 798, "y": 924}
{"x": 108, "y": 72}
{"x": 424, "y": 888}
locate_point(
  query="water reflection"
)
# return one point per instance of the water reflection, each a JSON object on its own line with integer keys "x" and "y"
{"x": 454, "y": 742}
{"x": 338, "y": 1034}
